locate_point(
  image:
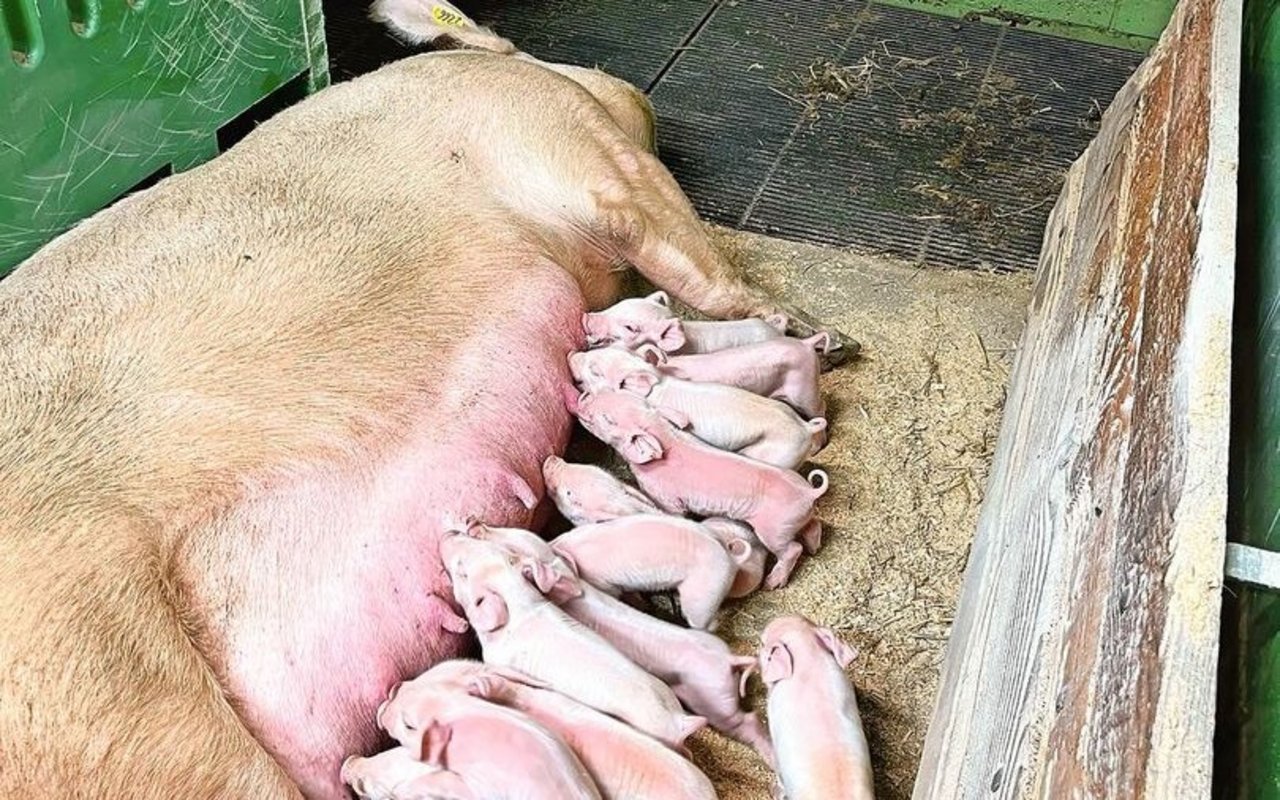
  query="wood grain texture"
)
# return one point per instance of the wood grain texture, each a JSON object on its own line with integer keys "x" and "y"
{"x": 1082, "y": 659}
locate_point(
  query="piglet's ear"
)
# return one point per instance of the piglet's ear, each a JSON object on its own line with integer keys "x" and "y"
{"x": 490, "y": 687}
{"x": 557, "y": 587}
{"x": 435, "y": 738}
{"x": 641, "y": 448}
{"x": 671, "y": 335}
{"x": 540, "y": 573}
{"x": 660, "y": 298}
{"x": 776, "y": 664}
{"x": 517, "y": 676}
{"x": 488, "y": 612}
{"x": 640, "y": 383}
{"x": 843, "y": 653}
{"x": 675, "y": 417}
{"x": 652, "y": 355}
{"x": 564, "y": 589}
{"x": 572, "y": 398}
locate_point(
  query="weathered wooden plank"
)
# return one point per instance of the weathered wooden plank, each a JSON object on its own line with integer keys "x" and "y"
{"x": 1253, "y": 566}
{"x": 1082, "y": 660}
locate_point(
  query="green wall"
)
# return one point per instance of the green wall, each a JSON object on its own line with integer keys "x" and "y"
{"x": 1133, "y": 24}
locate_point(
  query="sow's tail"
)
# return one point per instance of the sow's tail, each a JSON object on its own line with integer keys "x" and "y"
{"x": 436, "y": 23}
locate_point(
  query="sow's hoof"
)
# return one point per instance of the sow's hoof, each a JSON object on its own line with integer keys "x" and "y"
{"x": 840, "y": 349}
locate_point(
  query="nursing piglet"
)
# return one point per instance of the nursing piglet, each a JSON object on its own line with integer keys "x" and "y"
{"x": 624, "y": 763}
{"x": 726, "y": 417}
{"x": 654, "y": 553}
{"x": 650, "y": 320}
{"x": 520, "y": 629}
{"x": 539, "y": 564}
{"x": 585, "y": 493}
{"x": 498, "y": 753}
{"x": 700, "y": 668}
{"x": 396, "y": 775}
{"x": 813, "y": 713}
{"x": 684, "y": 475}
{"x": 784, "y": 369}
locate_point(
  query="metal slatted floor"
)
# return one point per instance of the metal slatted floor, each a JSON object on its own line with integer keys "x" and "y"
{"x": 937, "y": 140}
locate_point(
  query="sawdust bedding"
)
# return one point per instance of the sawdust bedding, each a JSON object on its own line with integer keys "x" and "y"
{"x": 914, "y": 423}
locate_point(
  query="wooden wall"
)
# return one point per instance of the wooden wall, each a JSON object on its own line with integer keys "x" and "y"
{"x": 1083, "y": 655}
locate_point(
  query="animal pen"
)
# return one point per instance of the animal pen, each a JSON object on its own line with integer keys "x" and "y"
{"x": 1055, "y": 229}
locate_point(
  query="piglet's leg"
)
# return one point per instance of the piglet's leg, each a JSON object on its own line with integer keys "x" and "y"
{"x": 781, "y": 572}
{"x": 663, "y": 237}
{"x": 700, "y": 599}
{"x": 811, "y": 536}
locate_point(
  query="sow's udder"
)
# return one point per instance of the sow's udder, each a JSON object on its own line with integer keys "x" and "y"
{"x": 326, "y": 588}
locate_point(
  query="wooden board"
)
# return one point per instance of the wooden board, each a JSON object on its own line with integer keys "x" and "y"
{"x": 1082, "y": 659}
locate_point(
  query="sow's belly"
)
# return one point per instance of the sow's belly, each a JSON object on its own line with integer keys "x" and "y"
{"x": 321, "y": 592}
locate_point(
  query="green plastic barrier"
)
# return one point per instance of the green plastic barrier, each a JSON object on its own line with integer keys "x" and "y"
{"x": 1249, "y": 723}
{"x": 98, "y": 95}
{"x": 1131, "y": 24}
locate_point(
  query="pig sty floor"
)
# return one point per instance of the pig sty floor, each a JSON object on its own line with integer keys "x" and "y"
{"x": 914, "y": 422}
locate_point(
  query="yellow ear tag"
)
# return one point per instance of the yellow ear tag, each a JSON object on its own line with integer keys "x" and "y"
{"x": 448, "y": 17}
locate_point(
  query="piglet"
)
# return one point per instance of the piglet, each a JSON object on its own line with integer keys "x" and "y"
{"x": 726, "y": 417}
{"x": 624, "y": 763}
{"x": 654, "y": 553}
{"x": 813, "y": 713}
{"x": 396, "y": 775}
{"x": 650, "y": 320}
{"x": 635, "y": 321}
{"x": 520, "y": 629}
{"x": 700, "y": 668}
{"x": 586, "y": 494}
{"x": 496, "y": 752}
{"x": 784, "y": 369}
{"x": 684, "y": 475}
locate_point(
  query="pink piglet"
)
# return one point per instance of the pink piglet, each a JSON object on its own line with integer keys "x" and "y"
{"x": 656, "y": 552}
{"x": 585, "y": 493}
{"x": 784, "y": 369}
{"x": 813, "y": 713}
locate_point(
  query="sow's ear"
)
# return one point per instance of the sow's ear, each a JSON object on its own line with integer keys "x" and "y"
{"x": 776, "y": 664}
{"x": 488, "y": 612}
{"x": 641, "y": 448}
{"x": 844, "y": 653}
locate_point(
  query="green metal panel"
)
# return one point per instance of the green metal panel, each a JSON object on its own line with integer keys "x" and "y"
{"x": 1249, "y": 722}
{"x": 99, "y": 94}
{"x": 1132, "y": 24}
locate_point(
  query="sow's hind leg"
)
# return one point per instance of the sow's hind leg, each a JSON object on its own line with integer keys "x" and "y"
{"x": 659, "y": 232}
{"x": 599, "y": 184}
{"x": 120, "y": 704}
